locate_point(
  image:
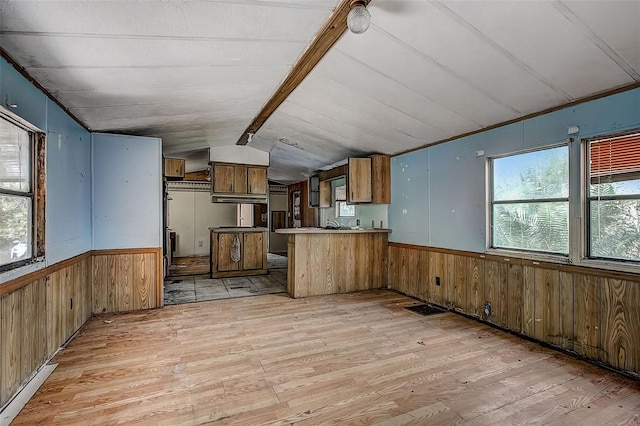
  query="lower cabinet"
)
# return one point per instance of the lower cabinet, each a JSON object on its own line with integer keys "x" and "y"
{"x": 238, "y": 251}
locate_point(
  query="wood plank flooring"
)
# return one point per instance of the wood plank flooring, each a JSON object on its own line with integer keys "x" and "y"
{"x": 338, "y": 359}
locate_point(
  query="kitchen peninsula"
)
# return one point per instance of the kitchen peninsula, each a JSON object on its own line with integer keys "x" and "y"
{"x": 329, "y": 261}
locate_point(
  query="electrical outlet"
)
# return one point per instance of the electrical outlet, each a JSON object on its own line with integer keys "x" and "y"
{"x": 200, "y": 243}
{"x": 487, "y": 309}
{"x": 437, "y": 280}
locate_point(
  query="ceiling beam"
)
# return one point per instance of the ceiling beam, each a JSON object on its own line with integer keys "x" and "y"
{"x": 328, "y": 35}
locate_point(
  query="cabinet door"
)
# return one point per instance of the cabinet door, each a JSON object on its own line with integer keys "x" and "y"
{"x": 359, "y": 180}
{"x": 226, "y": 251}
{"x": 240, "y": 179}
{"x": 253, "y": 256}
{"x": 223, "y": 179}
{"x": 381, "y": 178}
{"x": 257, "y": 178}
{"x": 325, "y": 193}
{"x": 174, "y": 167}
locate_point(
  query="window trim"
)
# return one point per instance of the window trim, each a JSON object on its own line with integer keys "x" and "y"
{"x": 537, "y": 255}
{"x": 38, "y": 189}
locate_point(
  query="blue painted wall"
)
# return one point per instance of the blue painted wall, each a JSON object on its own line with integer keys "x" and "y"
{"x": 127, "y": 191}
{"x": 438, "y": 193}
{"x": 116, "y": 179}
{"x": 68, "y": 184}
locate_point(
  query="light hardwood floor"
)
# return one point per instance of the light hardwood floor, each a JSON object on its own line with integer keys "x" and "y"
{"x": 341, "y": 359}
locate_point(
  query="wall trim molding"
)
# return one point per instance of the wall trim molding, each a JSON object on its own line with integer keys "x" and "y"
{"x": 562, "y": 267}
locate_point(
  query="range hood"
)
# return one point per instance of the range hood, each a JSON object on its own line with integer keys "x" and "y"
{"x": 239, "y": 199}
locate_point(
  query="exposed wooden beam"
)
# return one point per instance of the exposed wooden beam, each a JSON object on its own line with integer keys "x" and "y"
{"x": 328, "y": 35}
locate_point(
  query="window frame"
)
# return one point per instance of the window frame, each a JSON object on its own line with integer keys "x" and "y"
{"x": 588, "y": 259}
{"x": 37, "y": 193}
{"x": 524, "y": 252}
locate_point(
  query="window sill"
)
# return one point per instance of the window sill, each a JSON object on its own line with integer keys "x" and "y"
{"x": 605, "y": 265}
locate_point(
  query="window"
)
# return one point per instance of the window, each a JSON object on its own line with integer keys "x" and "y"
{"x": 530, "y": 201}
{"x": 342, "y": 208}
{"x": 21, "y": 198}
{"x": 345, "y": 210}
{"x": 614, "y": 197}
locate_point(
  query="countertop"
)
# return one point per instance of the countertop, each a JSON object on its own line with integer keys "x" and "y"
{"x": 236, "y": 229}
{"x": 331, "y": 231}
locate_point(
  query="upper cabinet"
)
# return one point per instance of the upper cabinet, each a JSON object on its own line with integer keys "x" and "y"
{"x": 381, "y": 179}
{"x": 174, "y": 168}
{"x": 359, "y": 181}
{"x": 256, "y": 180}
{"x": 368, "y": 181}
{"x": 238, "y": 179}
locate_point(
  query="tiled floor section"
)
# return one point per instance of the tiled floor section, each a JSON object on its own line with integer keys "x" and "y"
{"x": 200, "y": 288}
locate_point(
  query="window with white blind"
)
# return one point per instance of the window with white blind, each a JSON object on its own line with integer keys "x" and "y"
{"x": 613, "y": 188}
{"x": 21, "y": 192}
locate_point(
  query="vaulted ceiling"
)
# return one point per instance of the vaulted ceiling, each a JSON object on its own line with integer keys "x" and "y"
{"x": 196, "y": 73}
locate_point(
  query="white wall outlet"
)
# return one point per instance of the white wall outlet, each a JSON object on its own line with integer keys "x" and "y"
{"x": 200, "y": 243}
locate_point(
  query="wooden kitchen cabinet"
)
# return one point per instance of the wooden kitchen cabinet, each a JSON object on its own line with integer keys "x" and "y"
{"x": 174, "y": 168}
{"x": 381, "y": 179}
{"x": 238, "y": 252}
{"x": 256, "y": 180}
{"x": 238, "y": 179}
{"x": 359, "y": 181}
{"x": 325, "y": 193}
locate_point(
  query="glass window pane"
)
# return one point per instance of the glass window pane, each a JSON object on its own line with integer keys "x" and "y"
{"x": 15, "y": 232}
{"x": 615, "y": 229}
{"x": 627, "y": 187}
{"x": 534, "y": 175}
{"x": 346, "y": 210}
{"x": 15, "y": 158}
{"x": 532, "y": 226}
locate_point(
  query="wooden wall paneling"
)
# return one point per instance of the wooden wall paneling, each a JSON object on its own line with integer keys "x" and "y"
{"x": 56, "y": 310}
{"x": 68, "y": 302}
{"x": 475, "y": 280}
{"x": 291, "y": 261}
{"x": 86, "y": 274}
{"x": 412, "y": 272}
{"x": 528, "y": 301}
{"x": 495, "y": 290}
{"x": 143, "y": 274}
{"x": 11, "y": 344}
{"x": 450, "y": 264}
{"x": 621, "y": 324}
{"x": 424, "y": 276}
{"x": 393, "y": 268}
{"x": 32, "y": 328}
{"x": 438, "y": 268}
{"x": 125, "y": 288}
{"x": 586, "y": 315}
{"x": 547, "y": 306}
{"x": 113, "y": 282}
{"x": 515, "y": 297}
{"x": 565, "y": 315}
{"x": 309, "y": 217}
{"x": 460, "y": 286}
{"x": 99, "y": 284}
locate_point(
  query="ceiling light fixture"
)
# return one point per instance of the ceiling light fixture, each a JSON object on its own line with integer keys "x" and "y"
{"x": 359, "y": 18}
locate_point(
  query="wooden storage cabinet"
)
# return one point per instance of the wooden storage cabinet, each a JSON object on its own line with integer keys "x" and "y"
{"x": 381, "y": 179}
{"x": 238, "y": 179}
{"x": 174, "y": 168}
{"x": 359, "y": 181}
{"x": 250, "y": 246}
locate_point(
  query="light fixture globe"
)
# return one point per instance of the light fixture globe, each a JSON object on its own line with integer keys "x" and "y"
{"x": 359, "y": 18}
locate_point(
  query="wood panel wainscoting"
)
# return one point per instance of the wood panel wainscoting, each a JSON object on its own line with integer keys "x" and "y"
{"x": 40, "y": 311}
{"x": 126, "y": 279}
{"x": 589, "y": 312}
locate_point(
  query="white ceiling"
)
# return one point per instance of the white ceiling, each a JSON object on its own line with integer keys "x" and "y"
{"x": 196, "y": 73}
